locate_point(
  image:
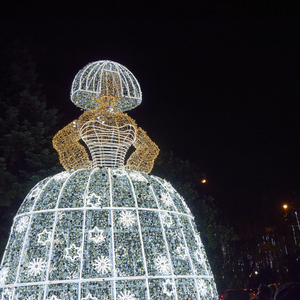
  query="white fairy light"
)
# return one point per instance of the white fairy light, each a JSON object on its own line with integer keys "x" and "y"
{"x": 198, "y": 240}
{"x": 53, "y": 297}
{"x": 7, "y": 295}
{"x": 126, "y": 295}
{"x": 202, "y": 287}
{"x": 162, "y": 265}
{"x": 102, "y": 265}
{"x": 104, "y": 228}
{"x": 166, "y": 198}
{"x": 36, "y": 266}
{"x": 127, "y": 218}
{"x": 96, "y": 235}
{"x": 44, "y": 237}
{"x": 22, "y": 224}
{"x": 137, "y": 177}
{"x": 119, "y": 172}
{"x": 169, "y": 287}
{"x": 3, "y": 274}
{"x": 199, "y": 257}
{"x": 60, "y": 238}
{"x": 89, "y": 297}
{"x": 89, "y": 84}
{"x": 93, "y": 200}
{"x": 182, "y": 251}
{"x": 72, "y": 252}
{"x": 167, "y": 220}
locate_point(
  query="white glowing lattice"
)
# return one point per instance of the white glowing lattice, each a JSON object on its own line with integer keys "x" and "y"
{"x": 37, "y": 266}
{"x": 3, "y": 274}
{"x": 96, "y": 235}
{"x": 72, "y": 252}
{"x": 169, "y": 287}
{"x": 120, "y": 238}
{"x": 126, "y": 295}
{"x": 22, "y": 224}
{"x": 108, "y": 144}
{"x": 89, "y": 297}
{"x": 91, "y": 81}
{"x": 127, "y": 218}
{"x": 102, "y": 265}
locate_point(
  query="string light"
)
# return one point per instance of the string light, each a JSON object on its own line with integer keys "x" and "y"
{"x": 105, "y": 229}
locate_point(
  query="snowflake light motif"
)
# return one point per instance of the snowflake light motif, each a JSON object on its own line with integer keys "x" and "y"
{"x": 201, "y": 287}
{"x": 166, "y": 198}
{"x": 199, "y": 257}
{"x": 137, "y": 177}
{"x": 89, "y": 297}
{"x": 93, "y": 200}
{"x": 73, "y": 252}
{"x": 102, "y": 265}
{"x": 44, "y": 237}
{"x": 73, "y": 275}
{"x": 162, "y": 265}
{"x": 169, "y": 287}
{"x": 167, "y": 220}
{"x": 22, "y": 224}
{"x": 127, "y": 218}
{"x": 96, "y": 235}
{"x": 3, "y": 274}
{"x": 53, "y": 297}
{"x": 36, "y": 266}
{"x": 7, "y": 295}
{"x": 182, "y": 251}
{"x": 126, "y": 296}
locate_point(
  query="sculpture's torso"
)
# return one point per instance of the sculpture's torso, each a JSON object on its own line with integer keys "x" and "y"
{"x": 107, "y": 144}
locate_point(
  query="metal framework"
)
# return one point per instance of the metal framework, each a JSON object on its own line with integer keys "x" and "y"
{"x": 108, "y": 145}
{"x": 105, "y": 229}
{"x": 105, "y": 233}
{"x": 94, "y": 79}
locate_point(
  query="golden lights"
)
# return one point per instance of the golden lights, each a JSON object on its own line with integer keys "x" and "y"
{"x": 102, "y": 129}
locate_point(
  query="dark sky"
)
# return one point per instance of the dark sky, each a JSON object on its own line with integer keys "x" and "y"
{"x": 220, "y": 81}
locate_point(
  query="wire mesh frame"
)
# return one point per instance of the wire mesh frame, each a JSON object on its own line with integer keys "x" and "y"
{"x": 87, "y": 86}
{"x": 108, "y": 145}
{"x": 168, "y": 280}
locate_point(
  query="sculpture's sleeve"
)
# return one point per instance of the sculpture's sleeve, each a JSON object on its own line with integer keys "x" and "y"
{"x": 142, "y": 159}
{"x": 72, "y": 154}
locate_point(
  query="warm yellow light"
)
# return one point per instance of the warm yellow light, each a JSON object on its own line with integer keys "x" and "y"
{"x": 203, "y": 180}
{"x": 256, "y": 272}
{"x": 285, "y": 206}
{"x": 73, "y": 155}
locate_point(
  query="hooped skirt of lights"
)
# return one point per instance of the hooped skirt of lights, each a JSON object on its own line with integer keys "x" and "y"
{"x": 105, "y": 233}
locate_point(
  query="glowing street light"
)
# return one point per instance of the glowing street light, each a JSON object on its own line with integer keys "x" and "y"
{"x": 285, "y": 206}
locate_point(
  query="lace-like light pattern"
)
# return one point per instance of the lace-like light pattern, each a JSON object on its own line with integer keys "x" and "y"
{"x": 108, "y": 144}
{"x": 105, "y": 233}
{"x": 94, "y": 79}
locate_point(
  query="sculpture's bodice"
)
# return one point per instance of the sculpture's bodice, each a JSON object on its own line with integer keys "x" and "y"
{"x": 108, "y": 145}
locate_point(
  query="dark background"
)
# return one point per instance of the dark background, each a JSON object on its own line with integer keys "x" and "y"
{"x": 220, "y": 82}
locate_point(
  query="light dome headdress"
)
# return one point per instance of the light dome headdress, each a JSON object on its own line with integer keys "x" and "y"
{"x": 91, "y": 82}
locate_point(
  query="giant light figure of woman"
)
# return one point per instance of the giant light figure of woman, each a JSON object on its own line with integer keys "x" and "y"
{"x": 104, "y": 228}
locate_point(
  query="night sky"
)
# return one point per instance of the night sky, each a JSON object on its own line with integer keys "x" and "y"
{"x": 220, "y": 82}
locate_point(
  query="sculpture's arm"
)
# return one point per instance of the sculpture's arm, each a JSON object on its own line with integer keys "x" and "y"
{"x": 142, "y": 159}
{"x": 72, "y": 154}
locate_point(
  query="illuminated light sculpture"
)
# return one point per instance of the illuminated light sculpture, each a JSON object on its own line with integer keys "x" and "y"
{"x": 105, "y": 228}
